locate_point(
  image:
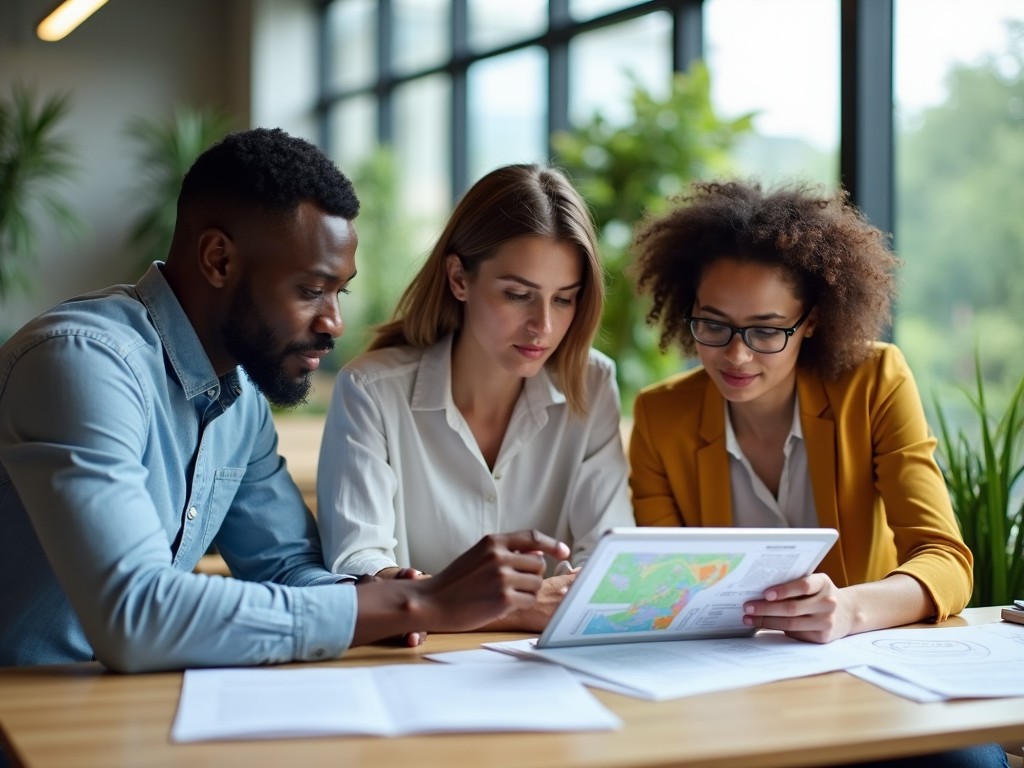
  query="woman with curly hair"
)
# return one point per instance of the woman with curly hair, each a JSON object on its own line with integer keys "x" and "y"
{"x": 797, "y": 416}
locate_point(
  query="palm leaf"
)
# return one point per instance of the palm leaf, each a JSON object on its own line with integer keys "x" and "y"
{"x": 166, "y": 150}
{"x": 983, "y": 473}
{"x": 33, "y": 160}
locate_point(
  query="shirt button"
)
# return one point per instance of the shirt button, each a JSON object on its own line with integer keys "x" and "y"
{"x": 211, "y": 393}
{"x": 497, "y": 475}
{"x": 491, "y": 498}
{"x": 191, "y": 514}
{"x": 319, "y": 653}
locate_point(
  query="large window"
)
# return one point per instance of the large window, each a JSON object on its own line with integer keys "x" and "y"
{"x": 914, "y": 105}
{"x": 451, "y": 89}
{"x": 959, "y": 87}
{"x": 514, "y": 71}
{"x": 789, "y": 79}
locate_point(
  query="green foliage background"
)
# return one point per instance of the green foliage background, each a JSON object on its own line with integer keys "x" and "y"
{"x": 34, "y": 161}
{"x": 167, "y": 147}
{"x": 982, "y": 465}
{"x": 384, "y": 258}
{"x": 626, "y": 172}
{"x": 960, "y": 228}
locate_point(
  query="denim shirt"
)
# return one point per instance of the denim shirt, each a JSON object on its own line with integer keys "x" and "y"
{"x": 123, "y": 457}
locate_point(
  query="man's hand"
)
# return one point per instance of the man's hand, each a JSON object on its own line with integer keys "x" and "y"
{"x": 500, "y": 574}
{"x": 410, "y": 639}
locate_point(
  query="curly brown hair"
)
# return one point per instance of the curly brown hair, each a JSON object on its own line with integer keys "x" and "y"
{"x": 835, "y": 260}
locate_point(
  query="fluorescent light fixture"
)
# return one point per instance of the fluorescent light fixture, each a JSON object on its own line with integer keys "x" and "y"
{"x": 65, "y": 18}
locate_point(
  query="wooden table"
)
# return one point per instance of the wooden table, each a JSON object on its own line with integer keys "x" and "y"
{"x": 80, "y": 715}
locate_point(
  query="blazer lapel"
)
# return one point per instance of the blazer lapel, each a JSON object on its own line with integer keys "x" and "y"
{"x": 820, "y": 437}
{"x": 713, "y": 462}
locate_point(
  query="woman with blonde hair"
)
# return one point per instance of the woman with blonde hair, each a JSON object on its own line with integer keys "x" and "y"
{"x": 481, "y": 406}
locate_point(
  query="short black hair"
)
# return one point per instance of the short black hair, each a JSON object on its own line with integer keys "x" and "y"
{"x": 266, "y": 168}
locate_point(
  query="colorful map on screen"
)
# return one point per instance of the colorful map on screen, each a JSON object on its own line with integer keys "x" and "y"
{"x": 652, "y": 589}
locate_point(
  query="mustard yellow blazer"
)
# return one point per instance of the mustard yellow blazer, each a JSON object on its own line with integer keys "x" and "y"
{"x": 871, "y": 458}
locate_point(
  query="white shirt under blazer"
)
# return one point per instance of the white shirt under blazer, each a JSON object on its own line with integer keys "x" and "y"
{"x": 401, "y": 480}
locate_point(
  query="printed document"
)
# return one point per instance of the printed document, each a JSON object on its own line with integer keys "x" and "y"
{"x": 932, "y": 664}
{"x": 677, "y": 668}
{"x": 391, "y": 700}
{"x": 944, "y": 662}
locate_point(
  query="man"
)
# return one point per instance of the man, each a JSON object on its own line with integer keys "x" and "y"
{"x": 129, "y": 443}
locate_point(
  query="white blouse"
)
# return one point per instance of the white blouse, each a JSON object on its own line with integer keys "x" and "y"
{"x": 753, "y": 505}
{"x": 401, "y": 479}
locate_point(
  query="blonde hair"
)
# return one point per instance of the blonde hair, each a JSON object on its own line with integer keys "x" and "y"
{"x": 510, "y": 202}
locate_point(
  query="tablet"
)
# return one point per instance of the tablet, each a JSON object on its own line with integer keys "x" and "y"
{"x": 644, "y": 584}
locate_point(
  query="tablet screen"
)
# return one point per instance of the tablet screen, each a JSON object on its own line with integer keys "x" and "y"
{"x": 678, "y": 583}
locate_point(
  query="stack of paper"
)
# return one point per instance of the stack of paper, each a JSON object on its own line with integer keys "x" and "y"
{"x": 984, "y": 661}
{"x": 921, "y": 664}
{"x": 672, "y": 669}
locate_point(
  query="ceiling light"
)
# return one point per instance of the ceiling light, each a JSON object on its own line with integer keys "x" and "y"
{"x": 65, "y": 17}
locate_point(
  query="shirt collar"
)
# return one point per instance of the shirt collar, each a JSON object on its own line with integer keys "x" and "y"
{"x": 181, "y": 343}
{"x": 432, "y": 390}
{"x": 732, "y": 445}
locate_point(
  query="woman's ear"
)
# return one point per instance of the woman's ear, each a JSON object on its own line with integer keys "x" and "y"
{"x": 810, "y": 323}
{"x": 457, "y": 280}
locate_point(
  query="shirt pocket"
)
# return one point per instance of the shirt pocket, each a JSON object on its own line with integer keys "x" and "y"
{"x": 225, "y": 485}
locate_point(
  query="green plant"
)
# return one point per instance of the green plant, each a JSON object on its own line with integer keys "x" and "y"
{"x": 32, "y": 161}
{"x": 385, "y": 245}
{"x": 627, "y": 171}
{"x": 982, "y": 473}
{"x": 168, "y": 147}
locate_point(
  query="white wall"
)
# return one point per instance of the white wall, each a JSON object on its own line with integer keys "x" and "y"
{"x": 133, "y": 57}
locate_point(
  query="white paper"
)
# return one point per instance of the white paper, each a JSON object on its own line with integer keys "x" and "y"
{"x": 492, "y": 656}
{"x": 673, "y": 669}
{"x": 955, "y": 662}
{"x": 894, "y": 684}
{"x": 386, "y": 700}
{"x": 923, "y": 665}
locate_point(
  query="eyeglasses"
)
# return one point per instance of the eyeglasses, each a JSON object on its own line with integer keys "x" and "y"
{"x": 760, "y": 338}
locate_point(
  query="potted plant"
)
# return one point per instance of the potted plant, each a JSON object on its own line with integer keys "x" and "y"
{"x": 983, "y": 469}
{"x": 33, "y": 162}
{"x": 168, "y": 147}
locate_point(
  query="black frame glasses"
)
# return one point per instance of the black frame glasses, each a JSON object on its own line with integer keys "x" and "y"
{"x": 694, "y": 324}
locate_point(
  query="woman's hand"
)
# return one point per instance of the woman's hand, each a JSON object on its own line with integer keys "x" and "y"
{"x": 811, "y": 608}
{"x": 536, "y": 617}
{"x": 816, "y": 610}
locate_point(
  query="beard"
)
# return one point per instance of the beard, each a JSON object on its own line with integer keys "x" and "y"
{"x": 251, "y": 340}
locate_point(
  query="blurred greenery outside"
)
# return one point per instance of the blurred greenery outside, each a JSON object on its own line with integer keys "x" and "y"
{"x": 959, "y": 228}
{"x": 958, "y": 196}
{"x": 960, "y": 231}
